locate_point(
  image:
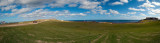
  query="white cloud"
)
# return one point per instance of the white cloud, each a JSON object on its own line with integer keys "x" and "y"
{"x": 23, "y": 10}
{"x": 84, "y": 4}
{"x": 128, "y": 14}
{"x": 147, "y": 4}
{"x": 149, "y": 7}
{"x": 72, "y": 5}
{"x": 103, "y": 12}
{"x": 151, "y": 13}
{"x": 140, "y": 0}
{"x": 125, "y": 14}
{"x": 120, "y": 3}
{"x": 136, "y": 9}
{"x": 18, "y": 11}
{"x": 6, "y": 2}
{"x": 117, "y": 3}
{"x": 81, "y": 14}
{"x": 34, "y": 3}
{"x": 62, "y": 3}
{"x": 88, "y": 12}
{"x": 156, "y": 11}
{"x": 142, "y": 14}
{"x": 125, "y": 1}
{"x": 66, "y": 11}
{"x": 89, "y": 5}
{"x": 45, "y": 13}
{"x": 40, "y": 3}
{"x": 113, "y": 11}
{"x": 131, "y": 12}
{"x": 93, "y": 6}
{"x": 104, "y": 1}
{"x": 39, "y": 13}
{"x": 8, "y": 7}
{"x": 156, "y": 3}
{"x": 98, "y": 10}
{"x": 28, "y": 3}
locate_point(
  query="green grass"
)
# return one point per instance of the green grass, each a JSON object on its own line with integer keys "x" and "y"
{"x": 79, "y": 32}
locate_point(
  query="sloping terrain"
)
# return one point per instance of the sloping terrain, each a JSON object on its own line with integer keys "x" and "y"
{"x": 82, "y": 32}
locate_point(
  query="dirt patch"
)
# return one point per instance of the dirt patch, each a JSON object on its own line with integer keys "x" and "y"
{"x": 72, "y": 41}
{"x": 31, "y": 34}
{"x": 130, "y": 41}
{"x": 12, "y": 25}
{"x": 97, "y": 38}
{"x": 1, "y": 37}
{"x": 39, "y": 41}
{"x": 144, "y": 39}
{"x": 48, "y": 38}
{"x": 59, "y": 42}
{"x": 57, "y": 38}
{"x": 104, "y": 41}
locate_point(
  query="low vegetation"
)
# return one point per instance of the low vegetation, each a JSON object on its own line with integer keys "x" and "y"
{"x": 82, "y": 32}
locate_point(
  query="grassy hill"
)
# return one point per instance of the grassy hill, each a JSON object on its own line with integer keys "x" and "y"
{"x": 81, "y": 32}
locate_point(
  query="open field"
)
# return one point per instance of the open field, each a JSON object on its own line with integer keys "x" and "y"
{"x": 81, "y": 32}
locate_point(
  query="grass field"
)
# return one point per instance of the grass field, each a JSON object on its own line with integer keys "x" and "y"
{"x": 80, "y": 32}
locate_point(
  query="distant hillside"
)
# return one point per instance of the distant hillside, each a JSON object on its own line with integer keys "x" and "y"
{"x": 149, "y": 19}
{"x": 43, "y": 20}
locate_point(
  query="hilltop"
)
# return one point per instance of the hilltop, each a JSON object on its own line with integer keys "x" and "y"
{"x": 30, "y": 22}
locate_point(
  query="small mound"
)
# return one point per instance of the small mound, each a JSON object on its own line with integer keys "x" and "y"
{"x": 149, "y": 21}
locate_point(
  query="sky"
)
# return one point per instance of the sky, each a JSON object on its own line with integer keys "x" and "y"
{"x": 27, "y": 10}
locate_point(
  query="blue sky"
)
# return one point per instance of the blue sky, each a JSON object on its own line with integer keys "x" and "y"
{"x": 26, "y": 10}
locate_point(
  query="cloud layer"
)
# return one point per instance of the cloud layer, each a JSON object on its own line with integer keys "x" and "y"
{"x": 52, "y": 8}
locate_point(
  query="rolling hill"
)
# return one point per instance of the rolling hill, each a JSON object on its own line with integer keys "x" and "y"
{"x": 82, "y": 32}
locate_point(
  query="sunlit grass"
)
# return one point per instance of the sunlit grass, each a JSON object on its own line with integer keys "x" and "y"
{"x": 80, "y": 32}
